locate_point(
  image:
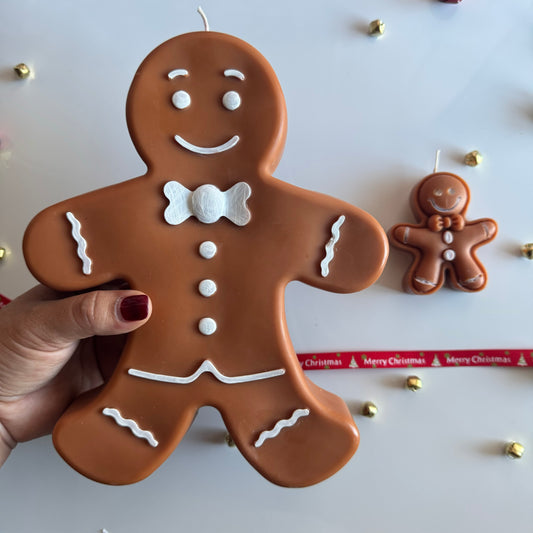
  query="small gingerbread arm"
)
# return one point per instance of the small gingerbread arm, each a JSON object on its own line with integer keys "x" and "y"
{"x": 344, "y": 249}
{"x": 408, "y": 234}
{"x": 481, "y": 231}
{"x": 66, "y": 246}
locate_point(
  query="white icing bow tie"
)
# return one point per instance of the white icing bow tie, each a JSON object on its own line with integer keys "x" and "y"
{"x": 207, "y": 203}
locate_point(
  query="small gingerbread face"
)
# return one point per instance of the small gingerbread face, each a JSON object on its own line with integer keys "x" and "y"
{"x": 209, "y": 99}
{"x": 442, "y": 194}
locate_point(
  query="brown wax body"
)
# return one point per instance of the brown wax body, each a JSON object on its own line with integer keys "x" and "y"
{"x": 128, "y": 237}
{"x": 443, "y": 241}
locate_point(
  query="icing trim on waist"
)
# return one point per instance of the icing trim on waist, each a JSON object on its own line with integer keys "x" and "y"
{"x": 209, "y": 367}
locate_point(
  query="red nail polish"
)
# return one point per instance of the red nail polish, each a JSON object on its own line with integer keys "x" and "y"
{"x": 134, "y": 308}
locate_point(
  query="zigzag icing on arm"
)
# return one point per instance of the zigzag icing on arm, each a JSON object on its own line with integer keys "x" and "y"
{"x": 281, "y": 424}
{"x": 330, "y": 252}
{"x": 131, "y": 424}
{"x": 82, "y": 243}
{"x": 206, "y": 366}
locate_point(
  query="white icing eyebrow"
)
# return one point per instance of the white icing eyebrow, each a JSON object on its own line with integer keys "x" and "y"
{"x": 177, "y": 72}
{"x": 233, "y": 73}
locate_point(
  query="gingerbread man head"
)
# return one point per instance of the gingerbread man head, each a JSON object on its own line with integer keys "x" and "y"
{"x": 204, "y": 101}
{"x": 441, "y": 194}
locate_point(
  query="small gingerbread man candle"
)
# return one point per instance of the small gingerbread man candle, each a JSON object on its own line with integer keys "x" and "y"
{"x": 443, "y": 240}
{"x": 222, "y": 238}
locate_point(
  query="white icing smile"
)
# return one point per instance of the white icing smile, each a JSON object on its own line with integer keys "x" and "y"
{"x": 443, "y": 209}
{"x": 207, "y": 150}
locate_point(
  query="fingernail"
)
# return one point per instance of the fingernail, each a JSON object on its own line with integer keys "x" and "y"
{"x": 134, "y": 308}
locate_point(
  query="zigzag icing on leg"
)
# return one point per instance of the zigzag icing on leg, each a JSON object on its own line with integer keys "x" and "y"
{"x": 131, "y": 424}
{"x": 281, "y": 424}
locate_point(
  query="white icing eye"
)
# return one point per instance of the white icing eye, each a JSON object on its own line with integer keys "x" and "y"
{"x": 231, "y": 100}
{"x": 437, "y": 192}
{"x": 181, "y": 99}
{"x": 451, "y": 191}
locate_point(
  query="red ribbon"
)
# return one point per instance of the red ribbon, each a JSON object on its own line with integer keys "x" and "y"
{"x": 416, "y": 359}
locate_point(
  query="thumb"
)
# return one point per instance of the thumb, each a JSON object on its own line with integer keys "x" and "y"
{"x": 93, "y": 313}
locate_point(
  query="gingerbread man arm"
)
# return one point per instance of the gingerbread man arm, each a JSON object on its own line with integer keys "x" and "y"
{"x": 481, "y": 231}
{"x": 345, "y": 248}
{"x": 409, "y": 235}
{"x": 64, "y": 245}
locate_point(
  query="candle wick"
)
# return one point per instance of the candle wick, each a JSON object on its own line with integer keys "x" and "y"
{"x": 437, "y": 157}
{"x": 204, "y": 18}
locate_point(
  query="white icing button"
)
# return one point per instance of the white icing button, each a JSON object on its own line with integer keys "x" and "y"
{"x": 208, "y": 249}
{"x": 449, "y": 255}
{"x": 447, "y": 237}
{"x": 207, "y": 287}
{"x": 207, "y": 326}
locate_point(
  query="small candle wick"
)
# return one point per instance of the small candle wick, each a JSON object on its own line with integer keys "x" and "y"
{"x": 437, "y": 157}
{"x": 204, "y": 18}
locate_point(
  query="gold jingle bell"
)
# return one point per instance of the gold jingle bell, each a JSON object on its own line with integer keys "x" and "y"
{"x": 369, "y": 409}
{"x": 527, "y": 250}
{"x": 376, "y": 28}
{"x": 515, "y": 450}
{"x": 473, "y": 159}
{"x": 22, "y": 71}
{"x": 413, "y": 383}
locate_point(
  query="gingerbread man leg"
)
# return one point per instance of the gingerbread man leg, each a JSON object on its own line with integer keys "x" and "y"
{"x": 127, "y": 442}
{"x": 468, "y": 273}
{"x": 128, "y": 433}
{"x": 426, "y": 275}
{"x": 304, "y": 436}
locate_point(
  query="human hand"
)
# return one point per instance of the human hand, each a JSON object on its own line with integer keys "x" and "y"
{"x": 53, "y": 349}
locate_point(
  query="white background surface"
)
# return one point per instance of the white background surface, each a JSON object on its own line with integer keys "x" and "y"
{"x": 365, "y": 119}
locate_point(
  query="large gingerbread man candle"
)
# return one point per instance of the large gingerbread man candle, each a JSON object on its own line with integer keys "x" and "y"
{"x": 214, "y": 239}
{"x": 443, "y": 240}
